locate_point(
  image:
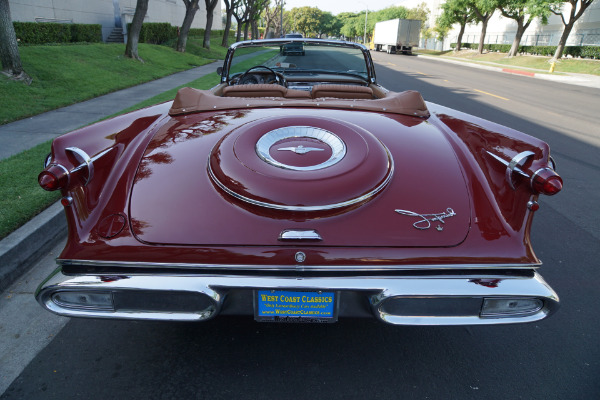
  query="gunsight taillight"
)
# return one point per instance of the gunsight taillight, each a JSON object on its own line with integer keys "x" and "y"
{"x": 54, "y": 177}
{"x": 546, "y": 181}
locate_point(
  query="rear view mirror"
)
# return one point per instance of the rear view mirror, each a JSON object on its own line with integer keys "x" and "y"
{"x": 220, "y": 70}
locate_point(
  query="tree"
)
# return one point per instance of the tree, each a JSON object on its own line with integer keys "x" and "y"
{"x": 305, "y": 19}
{"x": 133, "y": 36}
{"x": 230, "y": 6}
{"x": 240, "y": 13}
{"x": 272, "y": 16}
{"x": 327, "y": 24}
{"x": 9, "y": 49}
{"x": 523, "y": 12}
{"x": 256, "y": 9}
{"x": 191, "y": 6}
{"x": 421, "y": 12}
{"x": 388, "y": 13}
{"x": 578, "y": 7}
{"x": 349, "y": 28}
{"x": 456, "y": 12}
{"x": 484, "y": 9}
{"x": 210, "y": 7}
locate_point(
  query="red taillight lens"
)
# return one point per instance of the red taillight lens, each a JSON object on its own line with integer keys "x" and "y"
{"x": 546, "y": 181}
{"x": 54, "y": 178}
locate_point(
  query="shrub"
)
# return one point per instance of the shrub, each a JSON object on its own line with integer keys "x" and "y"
{"x": 156, "y": 32}
{"x": 40, "y": 33}
{"x": 49, "y": 32}
{"x": 91, "y": 33}
{"x": 590, "y": 52}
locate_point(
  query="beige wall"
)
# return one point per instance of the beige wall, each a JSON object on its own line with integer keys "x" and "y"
{"x": 103, "y": 12}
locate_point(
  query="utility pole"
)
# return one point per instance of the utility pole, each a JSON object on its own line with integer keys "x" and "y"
{"x": 365, "y": 36}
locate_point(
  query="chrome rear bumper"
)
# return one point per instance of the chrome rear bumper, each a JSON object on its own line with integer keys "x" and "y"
{"x": 412, "y": 300}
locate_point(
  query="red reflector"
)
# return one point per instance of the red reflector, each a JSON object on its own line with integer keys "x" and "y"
{"x": 66, "y": 201}
{"x": 54, "y": 177}
{"x": 546, "y": 181}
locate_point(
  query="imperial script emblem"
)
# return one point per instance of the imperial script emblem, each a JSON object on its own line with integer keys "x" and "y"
{"x": 425, "y": 220}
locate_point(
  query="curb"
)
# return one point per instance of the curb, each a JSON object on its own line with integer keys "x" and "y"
{"x": 518, "y": 72}
{"x": 20, "y": 249}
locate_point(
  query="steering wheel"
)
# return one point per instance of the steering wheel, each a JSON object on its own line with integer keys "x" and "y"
{"x": 278, "y": 78}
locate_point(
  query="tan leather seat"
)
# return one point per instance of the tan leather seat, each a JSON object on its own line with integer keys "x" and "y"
{"x": 342, "y": 92}
{"x": 251, "y": 90}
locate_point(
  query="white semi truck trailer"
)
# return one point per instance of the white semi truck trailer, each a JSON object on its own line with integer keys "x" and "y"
{"x": 396, "y": 35}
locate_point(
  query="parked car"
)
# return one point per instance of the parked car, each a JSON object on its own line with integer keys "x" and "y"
{"x": 300, "y": 192}
{"x": 293, "y": 47}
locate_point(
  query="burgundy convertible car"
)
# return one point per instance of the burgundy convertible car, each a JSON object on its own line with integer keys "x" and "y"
{"x": 300, "y": 190}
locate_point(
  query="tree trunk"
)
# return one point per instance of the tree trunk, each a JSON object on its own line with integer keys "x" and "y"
{"x": 238, "y": 35}
{"x": 460, "y": 36}
{"x": 563, "y": 41}
{"x": 254, "y": 26}
{"x": 191, "y": 6}
{"x": 514, "y": 49}
{"x": 573, "y": 17}
{"x": 225, "y": 41}
{"x": 246, "y": 27}
{"x": 483, "y": 32}
{"x": 133, "y": 36}
{"x": 9, "y": 48}
{"x": 210, "y": 7}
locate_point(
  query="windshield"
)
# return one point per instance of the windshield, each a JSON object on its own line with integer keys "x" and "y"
{"x": 304, "y": 57}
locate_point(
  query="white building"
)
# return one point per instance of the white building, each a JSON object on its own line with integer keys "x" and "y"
{"x": 502, "y": 30}
{"x": 108, "y": 13}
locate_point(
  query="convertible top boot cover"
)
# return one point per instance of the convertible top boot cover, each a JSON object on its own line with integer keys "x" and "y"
{"x": 190, "y": 100}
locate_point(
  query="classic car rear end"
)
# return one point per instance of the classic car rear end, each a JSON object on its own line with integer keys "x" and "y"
{"x": 305, "y": 196}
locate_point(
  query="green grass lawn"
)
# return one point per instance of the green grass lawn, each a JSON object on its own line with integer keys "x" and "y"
{"x": 68, "y": 74}
{"x": 21, "y": 198}
{"x": 580, "y": 66}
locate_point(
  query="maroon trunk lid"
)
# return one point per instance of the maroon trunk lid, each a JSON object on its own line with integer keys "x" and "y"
{"x": 241, "y": 178}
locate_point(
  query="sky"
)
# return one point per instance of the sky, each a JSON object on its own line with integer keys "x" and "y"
{"x": 338, "y": 6}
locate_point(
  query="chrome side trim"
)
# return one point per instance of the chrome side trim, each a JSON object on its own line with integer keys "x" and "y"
{"x": 376, "y": 289}
{"x": 324, "y": 268}
{"x": 506, "y": 163}
{"x": 517, "y": 161}
{"x": 299, "y": 234}
{"x": 86, "y": 162}
{"x": 323, "y": 207}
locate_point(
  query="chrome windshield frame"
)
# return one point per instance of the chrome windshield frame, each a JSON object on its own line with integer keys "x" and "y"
{"x": 370, "y": 68}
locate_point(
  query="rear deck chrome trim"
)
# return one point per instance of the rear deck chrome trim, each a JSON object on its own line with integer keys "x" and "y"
{"x": 323, "y": 207}
{"x": 316, "y": 268}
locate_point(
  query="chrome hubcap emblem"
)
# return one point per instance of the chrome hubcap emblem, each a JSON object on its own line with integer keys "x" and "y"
{"x": 270, "y": 139}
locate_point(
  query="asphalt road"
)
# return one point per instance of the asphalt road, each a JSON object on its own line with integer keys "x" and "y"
{"x": 557, "y": 358}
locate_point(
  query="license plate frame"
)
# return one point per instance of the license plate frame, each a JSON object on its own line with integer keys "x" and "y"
{"x": 296, "y": 306}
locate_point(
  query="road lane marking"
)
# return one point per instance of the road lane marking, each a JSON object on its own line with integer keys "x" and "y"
{"x": 493, "y": 95}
